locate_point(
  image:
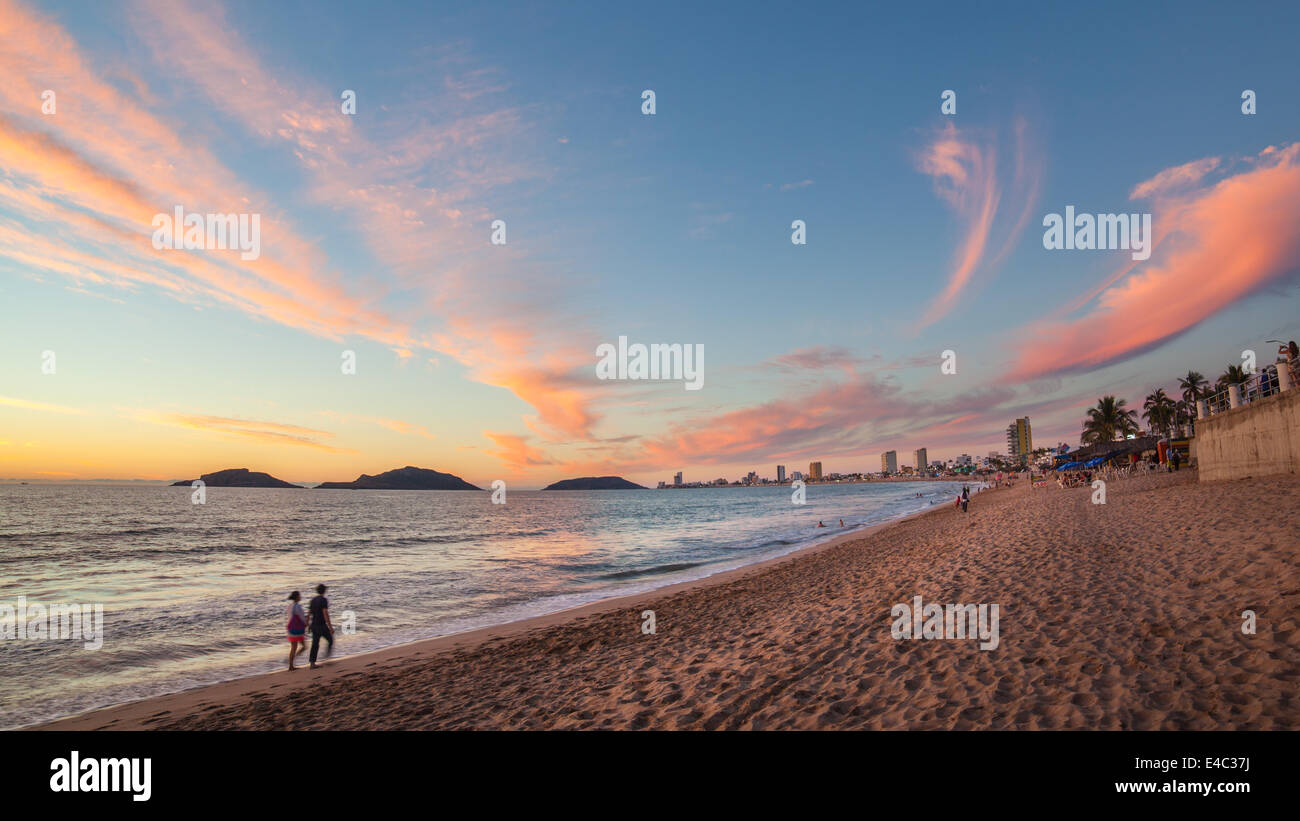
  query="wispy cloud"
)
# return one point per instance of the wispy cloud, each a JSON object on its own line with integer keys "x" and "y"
{"x": 704, "y": 226}
{"x": 395, "y": 425}
{"x": 964, "y": 169}
{"x": 45, "y": 407}
{"x": 93, "y": 176}
{"x": 816, "y": 358}
{"x": 416, "y": 189}
{"x": 515, "y": 452}
{"x": 1177, "y": 178}
{"x": 275, "y": 433}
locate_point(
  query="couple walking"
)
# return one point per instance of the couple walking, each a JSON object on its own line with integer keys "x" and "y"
{"x": 317, "y": 619}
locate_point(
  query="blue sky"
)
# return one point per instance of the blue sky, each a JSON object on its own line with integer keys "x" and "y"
{"x": 666, "y": 228}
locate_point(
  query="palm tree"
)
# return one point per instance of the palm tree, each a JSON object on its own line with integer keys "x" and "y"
{"x": 1108, "y": 421}
{"x": 1160, "y": 411}
{"x": 1234, "y": 375}
{"x": 1194, "y": 387}
{"x": 1183, "y": 417}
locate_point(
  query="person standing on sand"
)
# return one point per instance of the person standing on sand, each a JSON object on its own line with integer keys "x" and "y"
{"x": 297, "y": 627}
{"x": 320, "y": 625}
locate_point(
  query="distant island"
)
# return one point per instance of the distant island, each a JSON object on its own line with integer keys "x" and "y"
{"x": 595, "y": 483}
{"x": 407, "y": 478}
{"x": 237, "y": 477}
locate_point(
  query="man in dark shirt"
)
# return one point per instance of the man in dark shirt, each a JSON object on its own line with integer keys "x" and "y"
{"x": 318, "y": 619}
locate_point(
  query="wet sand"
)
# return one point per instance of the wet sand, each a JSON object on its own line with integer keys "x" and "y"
{"x": 1118, "y": 616}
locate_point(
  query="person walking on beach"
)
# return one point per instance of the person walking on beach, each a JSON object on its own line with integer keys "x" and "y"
{"x": 320, "y": 625}
{"x": 1176, "y": 459}
{"x": 297, "y": 627}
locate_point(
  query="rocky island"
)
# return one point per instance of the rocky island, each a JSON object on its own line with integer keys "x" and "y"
{"x": 407, "y": 478}
{"x": 595, "y": 483}
{"x": 237, "y": 477}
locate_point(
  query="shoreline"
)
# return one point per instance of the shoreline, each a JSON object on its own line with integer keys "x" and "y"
{"x": 1127, "y": 614}
{"x": 129, "y": 714}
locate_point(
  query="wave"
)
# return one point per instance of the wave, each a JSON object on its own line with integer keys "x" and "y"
{"x": 651, "y": 571}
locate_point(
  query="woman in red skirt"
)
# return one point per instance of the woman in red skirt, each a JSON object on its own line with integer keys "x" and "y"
{"x": 297, "y": 627}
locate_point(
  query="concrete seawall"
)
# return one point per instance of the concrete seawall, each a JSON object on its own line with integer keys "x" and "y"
{"x": 1259, "y": 439}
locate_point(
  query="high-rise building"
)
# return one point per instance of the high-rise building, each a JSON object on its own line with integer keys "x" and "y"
{"x": 889, "y": 462}
{"x": 677, "y": 478}
{"x": 780, "y": 473}
{"x": 814, "y": 471}
{"x": 921, "y": 459}
{"x": 797, "y": 476}
{"x": 1020, "y": 440}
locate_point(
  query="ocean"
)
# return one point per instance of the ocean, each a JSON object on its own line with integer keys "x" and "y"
{"x": 196, "y": 594}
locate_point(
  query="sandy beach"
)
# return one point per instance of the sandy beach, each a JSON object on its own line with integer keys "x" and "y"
{"x": 1118, "y": 616}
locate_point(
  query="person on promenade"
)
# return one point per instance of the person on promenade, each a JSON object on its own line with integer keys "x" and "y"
{"x": 320, "y": 624}
{"x": 297, "y": 627}
{"x": 1176, "y": 459}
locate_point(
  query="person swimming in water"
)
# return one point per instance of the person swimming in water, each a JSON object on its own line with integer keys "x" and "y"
{"x": 841, "y": 523}
{"x": 819, "y": 524}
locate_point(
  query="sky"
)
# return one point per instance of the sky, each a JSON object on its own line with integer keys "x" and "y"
{"x": 924, "y": 230}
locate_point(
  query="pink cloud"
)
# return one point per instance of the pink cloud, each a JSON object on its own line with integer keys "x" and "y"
{"x": 1221, "y": 243}
{"x": 416, "y": 191}
{"x": 97, "y": 171}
